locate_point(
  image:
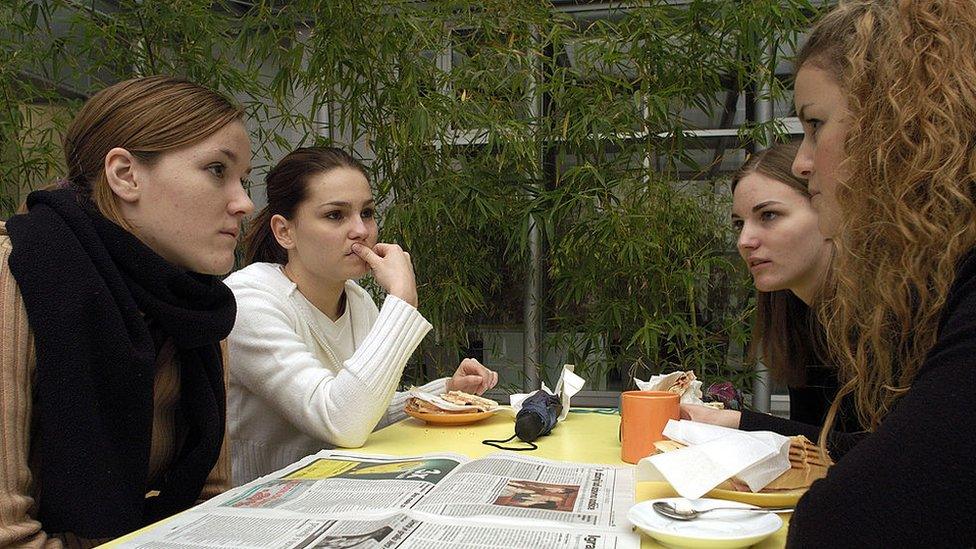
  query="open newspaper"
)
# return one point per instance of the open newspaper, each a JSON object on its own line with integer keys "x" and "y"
{"x": 339, "y": 499}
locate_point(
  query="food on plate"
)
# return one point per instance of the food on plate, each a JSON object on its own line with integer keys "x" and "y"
{"x": 666, "y": 445}
{"x": 806, "y": 466}
{"x": 471, "y": 404}
{"x": 414, "y": 404}
{"x": 465, "y": 399}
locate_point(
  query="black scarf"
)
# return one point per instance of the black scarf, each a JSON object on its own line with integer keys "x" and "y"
{"x": 90, "y": 289}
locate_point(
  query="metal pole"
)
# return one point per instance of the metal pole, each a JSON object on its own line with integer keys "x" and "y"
{"x": 533, "y": 332}
{"x": 762, "y": 384}
{"x": 532, "y": 342}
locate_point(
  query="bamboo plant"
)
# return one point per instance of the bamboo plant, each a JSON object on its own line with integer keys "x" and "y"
{"x": 475, "y": 118}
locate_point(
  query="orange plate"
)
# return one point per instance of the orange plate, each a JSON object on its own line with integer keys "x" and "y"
{"x": 450, "y": 419}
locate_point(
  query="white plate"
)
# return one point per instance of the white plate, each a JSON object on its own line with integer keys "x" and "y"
{"x": 719, "y": 529}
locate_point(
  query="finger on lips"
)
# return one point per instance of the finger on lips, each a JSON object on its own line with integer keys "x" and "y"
{"x": 361, "y": 250}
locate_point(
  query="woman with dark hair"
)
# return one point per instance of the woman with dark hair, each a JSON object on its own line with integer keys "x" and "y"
{"x": 789, "y": 259}
{"x": 315, "y": 364}
{"x": 886, "y": 93}
{"x": 111, "y": 317}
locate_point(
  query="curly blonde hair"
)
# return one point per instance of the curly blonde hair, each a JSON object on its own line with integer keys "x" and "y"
{"x": 909, "y": 198}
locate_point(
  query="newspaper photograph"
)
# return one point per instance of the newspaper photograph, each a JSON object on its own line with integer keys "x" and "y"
{"x": 505, "y": 485}
{"x": 345, "y": 499}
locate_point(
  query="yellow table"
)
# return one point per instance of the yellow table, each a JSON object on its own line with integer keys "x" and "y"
{"x": 586, "y": 436}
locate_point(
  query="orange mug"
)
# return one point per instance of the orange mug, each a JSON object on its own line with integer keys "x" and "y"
{"x": 643, "y": 415}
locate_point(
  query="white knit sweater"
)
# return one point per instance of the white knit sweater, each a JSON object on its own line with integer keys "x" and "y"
{"x": 291, "y": 393}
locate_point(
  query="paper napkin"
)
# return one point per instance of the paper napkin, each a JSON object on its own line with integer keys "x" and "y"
{"x": 714, "y": 455}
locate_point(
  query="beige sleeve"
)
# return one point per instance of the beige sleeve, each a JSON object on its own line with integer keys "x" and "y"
{"x": 219, "y": 480}
{"x": 17, "y": 527}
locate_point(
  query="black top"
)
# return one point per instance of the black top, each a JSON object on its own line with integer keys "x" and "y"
{"x": 912, "y": 483}
{"x": 809, "y": 404}
{"x": 808, "y": 409}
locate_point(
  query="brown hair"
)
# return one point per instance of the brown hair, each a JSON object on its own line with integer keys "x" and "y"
{"x": 287, "y": 188}
{"x": 776, "y": 163}
{"x": 146, "y": 116}
{"x": 908, "y": 72}
{"x": 785, "y": 333}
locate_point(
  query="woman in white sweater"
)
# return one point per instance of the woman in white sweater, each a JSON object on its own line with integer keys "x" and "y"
{"x": 314, "y": 364}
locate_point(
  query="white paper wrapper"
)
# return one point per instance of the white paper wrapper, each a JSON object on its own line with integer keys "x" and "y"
{"x": 440, "y": 402}
{"x": 568, "y": 385}
{"x": 714, "y": 455}
{"x": 663, "y": 382}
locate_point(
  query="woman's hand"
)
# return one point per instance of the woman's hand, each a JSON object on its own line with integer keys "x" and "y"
{"x": 472, "y": 377}
{"x": 392, "y": 269}
{"x": 704, "y": 414}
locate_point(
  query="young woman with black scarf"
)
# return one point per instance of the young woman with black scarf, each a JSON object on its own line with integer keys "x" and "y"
{"x": 112, "y": 385}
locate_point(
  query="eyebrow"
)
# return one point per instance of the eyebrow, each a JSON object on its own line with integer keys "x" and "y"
{"x": 757, "y": 207}
{"x": 233, "y": 157}
{"x": 762, "y": 205}
{"x": 346, "y": 204}
{"x": 801, "y": 112}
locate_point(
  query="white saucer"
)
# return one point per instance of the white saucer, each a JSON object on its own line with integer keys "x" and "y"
{"x": 719, "y": 529}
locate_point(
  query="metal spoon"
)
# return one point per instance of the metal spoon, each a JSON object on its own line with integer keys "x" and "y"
{"x": 668, "y": 510}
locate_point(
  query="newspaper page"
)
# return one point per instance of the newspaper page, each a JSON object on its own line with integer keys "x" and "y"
{"x": 337, "y": 482}
{"x": 402, "y": 530}
{"x": 344, "y": 499}
{"x": 510, "y": 486}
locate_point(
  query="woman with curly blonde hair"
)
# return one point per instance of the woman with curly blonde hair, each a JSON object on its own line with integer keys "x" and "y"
{"x": 886, "y": 92}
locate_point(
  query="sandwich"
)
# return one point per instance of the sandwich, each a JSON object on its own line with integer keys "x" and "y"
{"x": 457, "y": 402}
{"x": 682, "y": 383}
{"x": 465, "y": 399}
{"x": 806, "y": 466}
{"x": 667, "y": 445}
